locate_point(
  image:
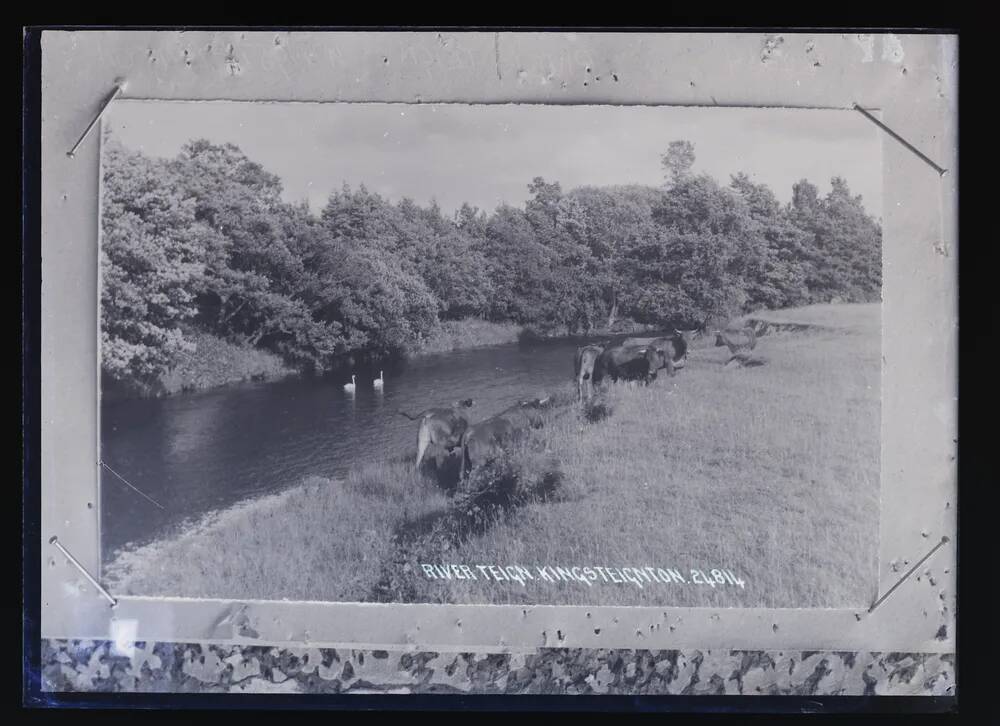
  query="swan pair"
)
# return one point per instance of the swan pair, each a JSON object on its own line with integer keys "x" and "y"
{"x": 378, "y": 383}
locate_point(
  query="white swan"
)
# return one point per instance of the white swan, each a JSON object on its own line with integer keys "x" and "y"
{"x": 349, "y": 387}
{"x": 379, "y": 382}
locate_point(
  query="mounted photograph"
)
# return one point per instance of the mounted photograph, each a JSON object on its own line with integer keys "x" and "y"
{"x": 522, "y": 354}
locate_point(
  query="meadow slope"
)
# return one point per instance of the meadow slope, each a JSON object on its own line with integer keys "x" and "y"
{"x": 770, "y": 472}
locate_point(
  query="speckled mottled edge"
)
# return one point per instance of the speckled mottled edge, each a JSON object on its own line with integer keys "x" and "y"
{"x": 89, "y": 666}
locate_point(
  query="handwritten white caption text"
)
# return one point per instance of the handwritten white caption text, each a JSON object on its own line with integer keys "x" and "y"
{"x": 636, "y": 576}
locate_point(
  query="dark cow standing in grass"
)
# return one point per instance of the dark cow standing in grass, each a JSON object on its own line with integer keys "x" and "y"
{"x": 673, "y": 346}
{"x": 440, "y": 426}
{"x": 636, "y": 363}
{"x": 485, "y": 440}
{"x": 583, "y": 368}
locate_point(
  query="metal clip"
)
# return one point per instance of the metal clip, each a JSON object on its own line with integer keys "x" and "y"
{"x": 119, "y": 87}
{"x": 76, "y": 563}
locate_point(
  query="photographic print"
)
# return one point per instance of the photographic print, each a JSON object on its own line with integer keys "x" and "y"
{"x": 490, "y": 354}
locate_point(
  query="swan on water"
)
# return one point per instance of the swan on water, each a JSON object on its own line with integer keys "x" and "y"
{"x": 349, "y": 387}
{"x": 379, "y": 382}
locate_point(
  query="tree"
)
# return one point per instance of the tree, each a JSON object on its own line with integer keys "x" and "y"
{"x": 153, "y": 258}
{"x": 843, "y": 248}
{"x": 677, "y": 162}
{"x": 699, "y": 264}
{"x": 607, "y": 221}
{"x": 206, "y": 241}
{"x": 251, "y": 284}
{"x": 778, "y": 277}
{"x": 456, "y": 274}
{"x": 542, "y": 208}
{"x": 380, "y": 308}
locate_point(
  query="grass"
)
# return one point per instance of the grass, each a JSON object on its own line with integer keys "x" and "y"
{"x": 323, "y": 540}
{"x": 469, "y": 333}
{"x": 850, "y": 318}
{"x": 770, "y": 472}
{"x": 217, "y": 362}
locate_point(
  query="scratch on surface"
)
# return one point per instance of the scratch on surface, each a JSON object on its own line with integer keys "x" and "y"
{"x": 496, "y": 52}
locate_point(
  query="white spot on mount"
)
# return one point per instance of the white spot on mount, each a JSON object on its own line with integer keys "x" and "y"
{"x": 865, "y": 41}
{"x": 892, "y": 48}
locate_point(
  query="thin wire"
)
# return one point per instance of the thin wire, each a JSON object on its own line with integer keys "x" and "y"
{"x": 119, "y": 87}
{"x": 132, "y": 486}
{"x": 940, "y": 169}
{"x": 76, "y": 563}
{"x": 913, "y": 569}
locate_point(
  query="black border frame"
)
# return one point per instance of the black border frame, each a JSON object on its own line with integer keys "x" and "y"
{"x": 973, "y": 340}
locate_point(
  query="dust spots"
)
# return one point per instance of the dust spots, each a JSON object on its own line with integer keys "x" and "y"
{"x": 232, "y": 63}
{"x": 771, "y": 48}
{"x": 812, "y": 55}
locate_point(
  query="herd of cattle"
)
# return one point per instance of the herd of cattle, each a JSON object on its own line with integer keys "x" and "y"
{"x": 634, "y": 359}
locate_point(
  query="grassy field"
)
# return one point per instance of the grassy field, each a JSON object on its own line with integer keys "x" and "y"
{"x": 769, "y": 472}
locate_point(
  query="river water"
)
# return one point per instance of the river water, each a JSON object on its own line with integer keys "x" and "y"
{"x": 195, "y": 453}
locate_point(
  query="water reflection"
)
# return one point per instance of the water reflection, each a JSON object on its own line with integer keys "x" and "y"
{"x": 198, "y": 452}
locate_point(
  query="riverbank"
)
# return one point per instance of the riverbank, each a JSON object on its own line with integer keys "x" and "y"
{"x": 214, "y": 362}
{"x": 468, "y": 333}
{"x": 769, "y": 472}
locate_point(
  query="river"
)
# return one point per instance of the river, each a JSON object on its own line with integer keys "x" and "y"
{"x": 199, "y": 452}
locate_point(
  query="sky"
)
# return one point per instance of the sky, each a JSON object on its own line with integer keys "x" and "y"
{"x": 487, "y": 154}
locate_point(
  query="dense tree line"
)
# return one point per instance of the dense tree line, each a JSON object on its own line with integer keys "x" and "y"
{"x": 205, "y": 241}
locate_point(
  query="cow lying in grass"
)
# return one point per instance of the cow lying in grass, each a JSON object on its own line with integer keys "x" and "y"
{"x": 485, "y": 440}
{"x": 440, "y": 426}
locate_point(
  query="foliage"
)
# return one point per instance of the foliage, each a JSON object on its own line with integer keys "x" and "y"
{"x": 153, "y": 261}
{"x": 207, "y": 240}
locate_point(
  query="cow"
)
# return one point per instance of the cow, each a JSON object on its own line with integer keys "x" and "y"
{"x": 525, "y": 414}
{"x": 674, "y": 346}
{"x": 483, "y": 441}
{"x": 637, "y": 363}
{"x": 440, "y": 426}
{"x": 738, "y": 340}
{"x": 583, "y": 367}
